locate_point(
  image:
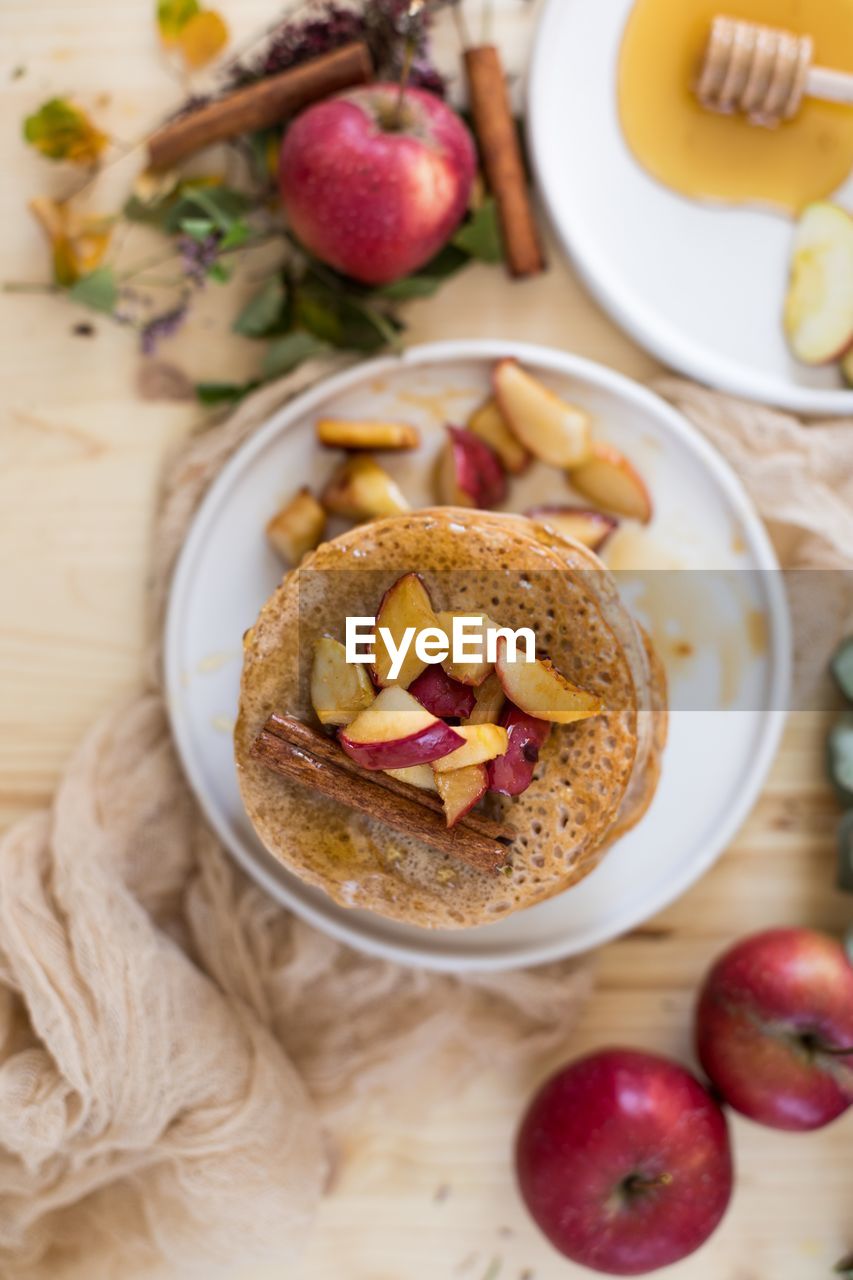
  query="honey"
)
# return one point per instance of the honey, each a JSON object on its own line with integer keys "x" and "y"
{"x": 725, "y": 158}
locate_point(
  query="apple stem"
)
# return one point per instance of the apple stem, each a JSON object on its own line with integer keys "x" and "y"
{"x": 637, "y": 1184}
{"x": 405, "y": 72}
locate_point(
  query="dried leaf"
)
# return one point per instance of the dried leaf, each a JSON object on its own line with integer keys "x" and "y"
{"x": 159, "y": 380}
{"x": 203, "y": 38}
{"x": 61, "y": 131}
{"x": 173, "y": 16}
{"x": 77, "y": 245}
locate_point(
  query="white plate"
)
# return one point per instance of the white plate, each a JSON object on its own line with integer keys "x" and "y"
{"x": 700, "y": 287}
{"x": 716, "y": 760}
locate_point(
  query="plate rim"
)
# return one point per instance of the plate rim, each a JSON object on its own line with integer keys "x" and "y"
{"x": 661, "y": 339}
{"x": 780, "y": 654}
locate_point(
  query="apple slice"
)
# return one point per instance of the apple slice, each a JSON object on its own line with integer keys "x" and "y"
{"x": 442, "y": 695}
{"x": 553, "y": 431}
{"x": 542, "y": 691}
{"x": 819, "y": 307}
{"x": 343, "y": 433}
{"x": 589, "y": 528}
{"x": 482, "y": 742}
{"x": 469, "y": 473}
{"x": 512, "y": 773}
{"x": 340, "y": 690}
{"x": 473, "y": 673}
{"x": 405, "y": 604}
{"x": 609, "y": 480}
{"x": 489, "y": 424}
{"x": 361, "y": 490}
{"x": 460, "y": 790}
{"x": 490, "y": 699}
{"x": 396, "y": 732}
{"x": 297, "y": 528}
{"x": 847, "y": 368}
{"x": 417, "y": 775}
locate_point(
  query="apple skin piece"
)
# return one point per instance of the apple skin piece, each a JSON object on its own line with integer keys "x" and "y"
{"x": 512, "y": 773}
{"x": 773, "y": 1014}
{"x": 488, "y": 424}
{"x": 471, "y": 673}
{"x": 405, "y": 604}
{"x": 609, "y": 480}
{"x": 460, "y": 790}
{"x": 374, "y": 185}
{"x": 542, "y": 691}
{"x": 818, "y": 316}
{"x": 343, "y": 433}
{"x": 443, "y": 696}
{"x": 361, "y": 490}
{"x": 417, "y": 775}
{"x": 340, "y": 690}
{"x": 589, "y": 528}
{"x": 297, "y": 528}
{"x": 469, "y": 473}
{"x": 624, "y": 1162}
{"x": 552, "y": 430}
{"x": 483, "y": 742}
{"x": 489, "y": 702}
{"x": 396, "y": 732}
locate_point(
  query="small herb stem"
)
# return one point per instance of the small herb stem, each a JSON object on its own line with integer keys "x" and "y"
{"x": 28, "y": 286}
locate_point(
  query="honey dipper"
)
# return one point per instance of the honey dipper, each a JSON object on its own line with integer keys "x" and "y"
{"x": 764, "y": 73}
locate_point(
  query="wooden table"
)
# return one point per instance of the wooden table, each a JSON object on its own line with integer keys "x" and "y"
{"x": 417, "y": 1198}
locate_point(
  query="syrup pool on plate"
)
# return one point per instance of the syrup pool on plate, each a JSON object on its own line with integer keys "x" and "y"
{"x": 724, "y": 158}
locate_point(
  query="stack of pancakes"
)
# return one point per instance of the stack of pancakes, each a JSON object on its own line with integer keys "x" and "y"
{"x": 594, "y": 779}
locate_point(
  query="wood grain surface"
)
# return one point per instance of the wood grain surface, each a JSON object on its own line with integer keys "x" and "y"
{"x": 416, "y": 1197}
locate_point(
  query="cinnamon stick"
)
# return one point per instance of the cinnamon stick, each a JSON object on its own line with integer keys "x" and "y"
{"x": 259, "y": 105}
{"x": 296, "y": 751}
{"x": 502, "y": 160}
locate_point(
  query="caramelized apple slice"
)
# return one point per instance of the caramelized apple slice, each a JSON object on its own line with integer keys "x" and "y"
{"x": 512, "y": 773}
{"x": 417, "y": 775}
{"x": 490, "y": 699}
{"x": 489, "y": 424}
{"x": 609, "y": 479}
{"x": 361, "y": 490}
{"x": 542, "y": 691}
{"x": 469, "y": 473}
{"x": 442, "y": 695}
{"x": 553, "y": 431}
{"x": 406, "y": 604}
{"x": 589, "y": 528}
{"x": 339, "y": 689}
{"x": 819, "y": 307}
{"x": 396, "y": 732}
{"x": 343, "y": 433}
{"x": 297, "y": 528}
{"x": 482, "y": 742}
{"x": 473, "y": 673}
{"x": 460, "y": 790}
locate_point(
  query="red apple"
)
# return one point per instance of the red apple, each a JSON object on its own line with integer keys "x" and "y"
{"x": 470, "y": 473}
{"x": 442, "y": 695}
{"x": 774, "y": 1017}
{"x": 512, "y": 773}
{"x": 396, "y": 732}
{"x": 623, "y": 1160}
{"x": 374, "y": 185}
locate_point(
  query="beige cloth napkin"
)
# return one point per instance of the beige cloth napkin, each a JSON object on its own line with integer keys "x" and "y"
{"x": 173, "y": 1045}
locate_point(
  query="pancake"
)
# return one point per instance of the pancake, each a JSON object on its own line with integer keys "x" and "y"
{"x": 592, "y": 779}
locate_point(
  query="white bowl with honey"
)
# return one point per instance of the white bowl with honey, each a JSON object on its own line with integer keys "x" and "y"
{"x": 682, "y": 220}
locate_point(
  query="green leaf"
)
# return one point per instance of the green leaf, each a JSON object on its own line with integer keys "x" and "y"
{"x": 411, "y": 287}
{"x": 197, "y": 228}
{"x": 343, "y": 317}
{"x": 263, "y": 312}
{"x": 173, "y": 16}
{"x": 286, "y": 353}
{"x": 218, "y": 272}
{"x": 213, "y": 393}
{"x": 845, "y": 1268}
{"x": 480, "y": 236}
{"x": 841, "y": 667}
{"x": 61, "y": 131}
{"x": 839, "y": 746}
{"x": 223, "y": 205}
{"x": 845, "y": 852}
{"x": 97, "y": 290}
{"x": 238, "y": 233}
